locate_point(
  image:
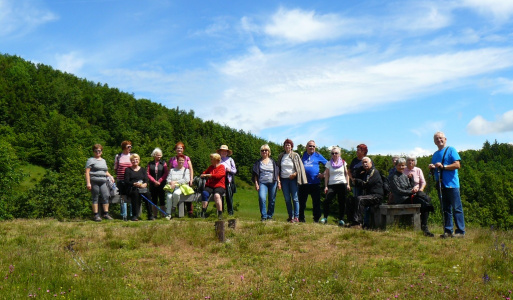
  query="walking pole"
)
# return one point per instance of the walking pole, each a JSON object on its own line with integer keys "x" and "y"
{"x": 441, "y": 198}
{"x": 149, "y": 201}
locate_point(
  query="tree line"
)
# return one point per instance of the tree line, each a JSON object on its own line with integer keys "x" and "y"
{"x": 51, "y": 119}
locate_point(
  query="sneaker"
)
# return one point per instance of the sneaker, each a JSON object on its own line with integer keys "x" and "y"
{"x": 97, "y": 218}
{"x": 323, "y": 221}
{"x": 446, "y": 235}
{"x": 296, "y": 220}
{"x": 169, "y": 217}
{"x": 458, "y": 235}
{"x": 134, "y": 219}
{"x": 341, "y": 223}
{"x": 302, "y": 220}
{"x": 107, "y": 216}
{"x": 203, "y": 215}
{"x": 263, "y": 219}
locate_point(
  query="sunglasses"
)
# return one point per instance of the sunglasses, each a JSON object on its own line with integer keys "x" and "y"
{"x": 333, "y": 153}
{"x": 129, "y": 146}
{"x": 265, "y": 150}
{"x": 311, "y": 146}
{"x": 98, "y": 151}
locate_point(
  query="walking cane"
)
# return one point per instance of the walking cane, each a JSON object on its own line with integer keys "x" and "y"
{"x": 149, "y": 201}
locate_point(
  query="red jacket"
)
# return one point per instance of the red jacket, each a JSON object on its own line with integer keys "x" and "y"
{"x": 218, "y": 176}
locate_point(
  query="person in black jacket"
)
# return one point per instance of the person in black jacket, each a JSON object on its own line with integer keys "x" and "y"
{"x": 372, "y": 187}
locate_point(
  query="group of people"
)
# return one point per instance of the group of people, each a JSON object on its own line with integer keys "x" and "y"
{"x": 297, "y": 176}
{"x": 160, "y": 182}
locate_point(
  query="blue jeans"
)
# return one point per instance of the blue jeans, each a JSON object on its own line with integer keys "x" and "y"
{"x": 267, "y": 189}
{"x": 452, "y": 207}
{"x": 289, "y": 188}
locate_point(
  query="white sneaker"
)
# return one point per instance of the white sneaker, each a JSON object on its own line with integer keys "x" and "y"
{"x": 169, "y": 217}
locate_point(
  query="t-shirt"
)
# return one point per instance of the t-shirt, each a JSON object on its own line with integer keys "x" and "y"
{"x": 266, "y": 172}
{"x": 287, "y": 166}
{"x": 338, "y": 175}
{"x": 450, "y": 178}
{"x": 98, "y": 167}
{"x": 311, "y": 163}
{"x": 123, "y": 162}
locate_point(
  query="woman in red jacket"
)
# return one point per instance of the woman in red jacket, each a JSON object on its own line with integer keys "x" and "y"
{"x": 215, "y": 175}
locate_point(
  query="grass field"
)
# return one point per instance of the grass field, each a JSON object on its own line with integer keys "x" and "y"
{"x": 182, "y": 259}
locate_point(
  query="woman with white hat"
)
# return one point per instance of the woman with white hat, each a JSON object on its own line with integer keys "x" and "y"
{"x": 229, "y": 164}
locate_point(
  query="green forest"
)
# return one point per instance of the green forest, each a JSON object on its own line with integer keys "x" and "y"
{"x": 49, "y": 121}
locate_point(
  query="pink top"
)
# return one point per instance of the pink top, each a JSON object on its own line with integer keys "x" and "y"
{"x": 418, "y": 176}
{"x": 120, "y": 164}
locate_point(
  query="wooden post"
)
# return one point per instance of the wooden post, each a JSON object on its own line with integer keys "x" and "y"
{"x": 231, "y": 223}
{"x": 220, "y": 230}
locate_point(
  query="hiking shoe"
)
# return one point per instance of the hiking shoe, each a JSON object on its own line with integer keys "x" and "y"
{"x": 302, "y": 220}
{"x": 108, "y": 217}
{"x": 341, "y": 223}
{"x": 97, "y": 218}
{"x": 428, "y": 233}
{"x": 458, "y": 235}
{"x": 446, "y": 235}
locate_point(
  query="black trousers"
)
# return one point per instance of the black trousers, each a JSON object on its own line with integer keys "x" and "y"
{"x": 357, "y": 206}
{"x": 314, "y": 190}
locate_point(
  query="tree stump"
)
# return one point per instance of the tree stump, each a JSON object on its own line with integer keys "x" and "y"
{"x": 220, "y": 230}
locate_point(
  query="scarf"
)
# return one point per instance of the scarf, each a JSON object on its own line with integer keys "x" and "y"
{"x": 338, "y": 164}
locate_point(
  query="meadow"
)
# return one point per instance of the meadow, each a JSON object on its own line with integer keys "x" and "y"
{"x": 182, "y": 259}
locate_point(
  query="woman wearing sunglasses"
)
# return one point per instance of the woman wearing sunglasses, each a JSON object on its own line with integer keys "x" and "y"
{"x": 97, "y": 181}
{"x": 336, "y": 184}
{"x": 266, "y": 177}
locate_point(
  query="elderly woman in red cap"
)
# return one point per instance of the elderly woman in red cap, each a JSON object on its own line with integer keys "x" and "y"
{"x": 229, "y": 164}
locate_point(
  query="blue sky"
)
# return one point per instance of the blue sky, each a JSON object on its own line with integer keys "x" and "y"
{"x": 385, "y": 73}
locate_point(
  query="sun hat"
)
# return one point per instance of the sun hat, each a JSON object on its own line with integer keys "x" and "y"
{"x": 224, "y": 147}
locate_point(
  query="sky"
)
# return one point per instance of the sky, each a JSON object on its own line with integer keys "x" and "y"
{"x": 388, "y": 74}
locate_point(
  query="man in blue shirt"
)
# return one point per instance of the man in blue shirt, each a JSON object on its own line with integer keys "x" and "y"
{"x": 446, "y": 162}
{"x": 311, "y": 161}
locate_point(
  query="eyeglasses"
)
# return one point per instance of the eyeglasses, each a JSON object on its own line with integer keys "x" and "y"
{"x": 98, "y": 151}
{"x": 129, "y": 146}
{"x": 333, "y": 153}
{"x": 265, "y": 150}
{"x": 311, "y": 146}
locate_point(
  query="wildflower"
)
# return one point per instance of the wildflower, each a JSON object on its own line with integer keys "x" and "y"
{"x": 11, "y": 268}
{"x": 241, "y": 277}
{"x": 47, "y": 291}
{"x": 486, "y": 278}
{"x": 75, "y": 275}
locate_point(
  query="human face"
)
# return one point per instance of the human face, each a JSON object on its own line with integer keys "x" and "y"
{"x": 180, "y": 162}
{"x": 97, "y": 153}
{"x": 135, "y": 162}
{"x": 335, "y": 154}
{"x": 179, "y": 149}
{"x": 287, "y": 147}
{"x": 410, "y": 163}
{"x": 158, "y": 156}
{"x": 440, "y": 140}
{"x": 359, "y": 153}
{"x": 367, "y": 164}
{"x": 223, "y": 153}
{"x": 310, "y": 148}
{"x": 400, "y": 167}
{"x": 213, "y": 161}
{"x": 264, "y": 153}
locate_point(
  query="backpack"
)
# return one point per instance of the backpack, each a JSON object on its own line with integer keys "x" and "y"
{"x": 199, "y": 184}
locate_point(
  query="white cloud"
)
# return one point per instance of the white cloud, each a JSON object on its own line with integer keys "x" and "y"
{"x": 299, "y": 26}
{"x": 421, "y": 17}
{"x": 70, "y": 62}
{"x": 19, "y": 17}
{"x": 500, "y": 9}
{"x": 505, "y": 86}
{"x": 480, "y": 126}
{"x": 275, "y": 89}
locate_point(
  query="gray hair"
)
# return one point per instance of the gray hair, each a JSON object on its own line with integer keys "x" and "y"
{"x": 155, "y": 152}
{"x": 401, "y": 160}
{"x": 411, "y": 157}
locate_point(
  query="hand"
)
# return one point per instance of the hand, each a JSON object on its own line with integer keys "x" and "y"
{"x": 325, "y": 190}
{"x": 320, "y": 175}
{"x": 228, "y": 169}
{"x": 279, "y": 185}
{"x": 292, "y": 176}
{"x": 431, "y": 166}
{"x": 88, "y": 186}
{"x": 348, "y": 187}
{"x": 156, "y": 183}
{"x": 257, "y": 187}
{"x": 410, "y": 175}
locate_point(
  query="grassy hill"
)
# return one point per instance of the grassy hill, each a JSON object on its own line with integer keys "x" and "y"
{"x": 182, "y": 259}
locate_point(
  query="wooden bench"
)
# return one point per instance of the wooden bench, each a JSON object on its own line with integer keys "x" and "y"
{"x": 196, "y": 197}
{"x": 388, "y": 213}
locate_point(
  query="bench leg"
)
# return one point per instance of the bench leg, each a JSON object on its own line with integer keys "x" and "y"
{"x": 181, "y": 209}
{"x": 416, "y": 221}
